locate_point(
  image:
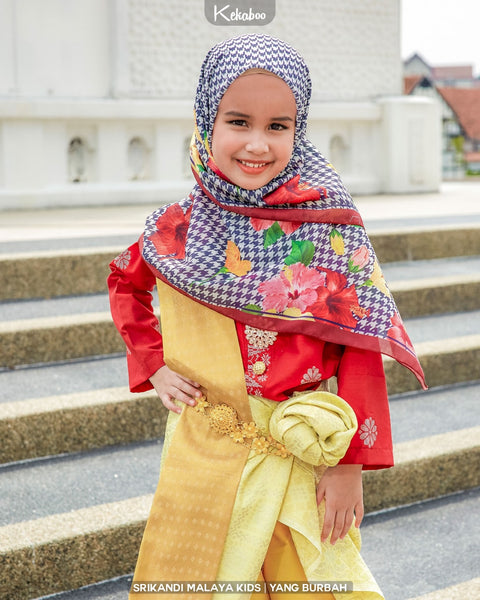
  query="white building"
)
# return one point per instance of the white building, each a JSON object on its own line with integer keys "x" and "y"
{"x": 96, "y": 97}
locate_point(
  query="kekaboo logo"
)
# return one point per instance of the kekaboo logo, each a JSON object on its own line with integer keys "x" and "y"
{"x": 240, "y": 12}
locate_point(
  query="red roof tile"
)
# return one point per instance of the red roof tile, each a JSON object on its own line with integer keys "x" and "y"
{"x": 409, "y": 83}
{"x": 465, "y": 103}
{"x": 472, "y": 156}
{"x": 453, "y": 72}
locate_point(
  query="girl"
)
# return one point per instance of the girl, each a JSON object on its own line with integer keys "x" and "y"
{"x": 268, "y": 287}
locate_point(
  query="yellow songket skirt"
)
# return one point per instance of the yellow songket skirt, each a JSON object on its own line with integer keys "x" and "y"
{"x": 274, "y": 490}
{"x": 226, "y": 501}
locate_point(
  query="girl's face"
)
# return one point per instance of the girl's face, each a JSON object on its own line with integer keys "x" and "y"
{"x": 253, "y": 133}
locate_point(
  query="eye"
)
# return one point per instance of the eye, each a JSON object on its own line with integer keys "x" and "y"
{"x": 278, "y": 126}
{"x": 238, "y": 122}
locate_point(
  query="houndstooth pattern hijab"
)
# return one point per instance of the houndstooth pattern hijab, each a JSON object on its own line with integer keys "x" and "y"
{"x": 291, "y": 256}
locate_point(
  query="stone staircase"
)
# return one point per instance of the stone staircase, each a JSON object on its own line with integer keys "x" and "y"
{"x": 80, "y": 455}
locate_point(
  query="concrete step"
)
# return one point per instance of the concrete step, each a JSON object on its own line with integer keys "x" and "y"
{"x": 72, "y": 422}
{"x": 427, "y": 548}
{"x": 80, "y": 479}
{"x": 82, "y": 326}
{"x": 49, "y": 339}
{"x": 428, "y": 243}
{"x": 84, "y": 270}
{"x": 59, "y": 307}
{"x": 45, "y": 274}
{"x": 29, "y": 334}
{"x": 434, "y": 558}
{"x": 113, "y": 589}
{"x": 92, "y": 416}
{"x": 449, "y": 345}
{"x": 95, "y": 410}
{"x": 419, "y": 287}
{"x": 71, "y": 376}
{"x": 54, "y": 552}
{"x": 46, "y": 487}
{"x": 428, "y": 287}
{"x": 445, "y": 361}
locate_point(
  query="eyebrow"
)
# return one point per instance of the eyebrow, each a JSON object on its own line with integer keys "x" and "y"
{"x": 234, "y": 113}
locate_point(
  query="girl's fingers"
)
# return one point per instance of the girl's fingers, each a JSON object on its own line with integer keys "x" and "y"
{"x": 358, "y": 514}
{"x": 338, "y": 527}
{"x": 320, "y": 492}
{"x": 168, "y": 403}
{"x": 194, "y": 384}
{"x": 182, "y": 396}
{"x": 347, "y": 524}
{"x": 328, "y": 523}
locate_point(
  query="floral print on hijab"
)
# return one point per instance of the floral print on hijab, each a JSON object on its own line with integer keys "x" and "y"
{"x": 291, "y": 256}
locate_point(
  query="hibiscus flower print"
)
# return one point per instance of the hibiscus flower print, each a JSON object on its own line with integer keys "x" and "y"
{"x": 294, "y": 192}
{"x": 368, "y": 432}
{"x": 295, "y": 287}
{"x": 335, "y": 300}
{"x": 286, "y": 226}
{"x": 171, "y": 234}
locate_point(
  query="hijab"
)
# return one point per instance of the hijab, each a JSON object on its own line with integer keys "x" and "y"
{"x": 292, "y": 256}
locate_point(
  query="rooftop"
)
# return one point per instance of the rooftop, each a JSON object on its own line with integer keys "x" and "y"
{"x": 465, "y": 103}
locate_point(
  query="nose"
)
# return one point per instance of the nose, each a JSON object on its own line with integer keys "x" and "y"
{"x": 257, "y": 144}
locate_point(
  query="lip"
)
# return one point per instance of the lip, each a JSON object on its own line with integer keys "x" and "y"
{"x": 246, "y": 166}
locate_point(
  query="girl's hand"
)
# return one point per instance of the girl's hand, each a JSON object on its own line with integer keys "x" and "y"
{"x": 170, "y": 385}
{"x": 341, "y": 487}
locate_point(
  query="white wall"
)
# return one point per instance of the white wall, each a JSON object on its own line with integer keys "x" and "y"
{"x": 352, "y": 47}
{"x": 96, "y": 96}
{"x": 55, "y": 48}
{"x": 154, "y": 48}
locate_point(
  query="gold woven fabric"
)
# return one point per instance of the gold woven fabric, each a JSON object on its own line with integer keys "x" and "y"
{"x": 189, "y": 518}
{"x": 276, "y": 489}
{"x": 218, "y": 503}
{"x": 281, "y": 563}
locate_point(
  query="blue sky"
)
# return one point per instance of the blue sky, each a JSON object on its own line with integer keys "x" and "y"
{"x": 444, "y": 32}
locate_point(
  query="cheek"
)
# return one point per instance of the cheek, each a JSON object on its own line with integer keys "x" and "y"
{"x": 221, "y": 141}
{"x": 287, "y": 151}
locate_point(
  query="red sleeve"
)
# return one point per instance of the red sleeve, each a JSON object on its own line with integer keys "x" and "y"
{"x": 129, "y": 286}
{"x": 361, "y": 383}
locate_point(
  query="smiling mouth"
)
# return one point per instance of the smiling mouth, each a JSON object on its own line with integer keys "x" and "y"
{"x": 253, "y": 165}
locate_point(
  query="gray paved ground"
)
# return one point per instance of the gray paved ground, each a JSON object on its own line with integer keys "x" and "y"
{"x": 456, "y": 203}
{"x": 27, "y": 309}
{"x": 437, "y": 410}
{"x": 51, "y": 485}
{"x": 421, "y": 269}
{"x": 122, "y": 241}
{"x": 425, "y": 547}
{"x": 116, "y": 589}
{"x": 82, "y": 375}
{"x": 441, "y": 327}
{"x": 411, "y": 551}
{"x": 56, "y": 307}
{"x": 42, "y": 487}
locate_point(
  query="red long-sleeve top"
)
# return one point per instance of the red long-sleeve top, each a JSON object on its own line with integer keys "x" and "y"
{"x": 293, "y": 362}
